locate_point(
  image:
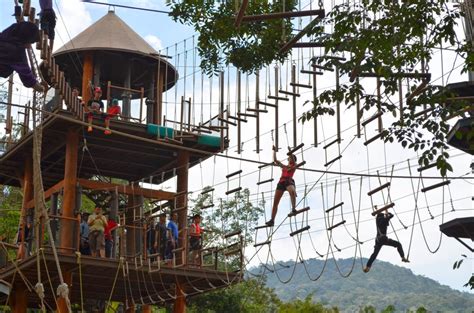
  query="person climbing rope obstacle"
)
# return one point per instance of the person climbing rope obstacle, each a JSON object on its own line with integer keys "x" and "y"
{"x": 286, "y": 183}
{"x": 382, "y": 221}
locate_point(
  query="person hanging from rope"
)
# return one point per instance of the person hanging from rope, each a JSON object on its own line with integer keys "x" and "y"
{"x": 94, "y": 105}
{"x": 382, "y": 221}
{"x": 286, "y": 183}
{"x": 48, "y": 20}
{"x": 14, "y": 41}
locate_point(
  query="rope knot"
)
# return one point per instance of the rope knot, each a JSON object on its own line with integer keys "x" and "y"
{"x": 62, "y": 291}
{"x": 39, "y": 288}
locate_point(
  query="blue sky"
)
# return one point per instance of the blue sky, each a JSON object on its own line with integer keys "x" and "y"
{"x": 160, "y": 31}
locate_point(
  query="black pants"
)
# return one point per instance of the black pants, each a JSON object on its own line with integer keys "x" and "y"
{"x": 384, "y": 241}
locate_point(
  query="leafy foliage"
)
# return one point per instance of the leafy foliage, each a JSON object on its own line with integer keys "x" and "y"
{"x": 457, "y": 265}
{"x": 249, "y": 47}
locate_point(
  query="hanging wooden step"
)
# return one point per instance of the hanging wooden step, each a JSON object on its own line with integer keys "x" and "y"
{"x": 257, "y": 110}
{"x": 265, "y": 165}
{"x": 423, "y": 112}
{"x": 232, "y": 252}
{"x": 426, "y": 167}
{"x": 265, "y": 181}
{"x": 233, "y": 174}
{"x": 233, "y": 191}
{"x": 331, "y": 143}
{"x": 226, "y": 121}
{"x": 386, "y": 207}
{"x": 311, "y": 44}
{"x": 379, "y": 188}
{"x": 197, "y": 129}
{"x": 246, "y": 114}
{"x": 207, "y": 191}
{"x": 441, "y": 184}
{"x": 210, "y": 205}
{"x": 322, "y": 67}
{"x": 267, "y": 104}
{"x": 301, "y": 85}
{"x": 333, "y": 160}
{"x": 311, "y": 72}
{"x": 299, "y": 211}
{"x": 332, "y": 57}
{"x": 372, "y": 118}
{"x": 300, "y": 164}
{"x": 336, "y": 225}
{"x": 296, "y": 232}
{"x": 292, "y": 151}
{"x": 262, "y": 243}
{"x": 289, "y": 93}
{"x": 278, "y": 98}
{"x": 378, "y": 136}
{"x": 233, "y": 233}
{"x": 237, "y": 119}
{"x": 335, "y": 207}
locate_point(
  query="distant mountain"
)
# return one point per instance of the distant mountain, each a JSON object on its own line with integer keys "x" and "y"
{"x": 386, "y": 284}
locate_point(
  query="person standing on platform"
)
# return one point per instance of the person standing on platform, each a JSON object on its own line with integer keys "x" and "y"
{"x": 84, "y": 245}
{"x": 94, "y": 105}
{"x": 172, "y": 236}
{"x": 195, "y": 242}
{"x": 97, "y": 223}
{"x": 160, "y": 236}
{"x": 109, "y": 239}
{"x": 112, "y": 112}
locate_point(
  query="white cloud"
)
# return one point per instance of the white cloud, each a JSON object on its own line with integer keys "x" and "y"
{"x": 72, "y": 18}
{"x": 154, "y": 41}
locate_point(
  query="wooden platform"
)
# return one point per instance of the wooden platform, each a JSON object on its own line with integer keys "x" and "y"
{"x": 138, "y": 285}
{"x": 109, "y": 155}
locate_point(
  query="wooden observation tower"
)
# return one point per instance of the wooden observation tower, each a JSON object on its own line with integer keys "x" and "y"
{"x": 141, "y": 151}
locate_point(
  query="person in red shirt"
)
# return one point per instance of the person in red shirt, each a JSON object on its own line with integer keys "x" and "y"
{"x": 109, "y": 239}
{"x": 286, "y": 182}
{"x": 112, "y": 112}
{"x": 195, "y": 243}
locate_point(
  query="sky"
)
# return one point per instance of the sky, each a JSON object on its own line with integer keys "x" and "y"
{"x": 323, "y": 190}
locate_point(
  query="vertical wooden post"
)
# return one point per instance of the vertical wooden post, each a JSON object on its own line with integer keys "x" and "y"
{"x": 160, "y": 87}
{"x": 69, "y": 196}
{"x": 257, "y": 106}
{"x": 379, "y": 99}
{"x": 358, "y": 111}
{"x": 54, "y": 211}
{"x": 315, "y": 118}
{"x": 190, "y": 112}
{"x": 221, "y": 108}
{"x": 180, "y": 302}
{"x": 239, "y": 123}
{"x": 27, "y": 196}
{"x": 62, "y": 305}
{"x": 87, "y": 75}
{"x": 19, "y": 299}
{"x": 181, "y": 120}
{"x": 293, "y": 80}
{"x": 338, "y": 107}
{"x": 276, "y": 109}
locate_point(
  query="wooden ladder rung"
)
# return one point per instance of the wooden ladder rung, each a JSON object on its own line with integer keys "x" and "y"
{"x": 296, "y": 232}
{"x": 331, "y": 143}
{"x": 264, "y": 181}
{"x": 386, "y": 207}
{"x": 218, "y": 127}
{"x": 233, "y": 233}
{"x": 321, "y": 67}
{"x": 210, "y": 205}
{"x": 311, "y": 72}
{"x": 278, "y": 98}
{"x": 227, "y": 121}
{"x": 267, "y": 104}
{"x": 233, "y": 174}
{"x": 301, "y": 85}
{"x": 257, "y": 110}
{"x": 232, "y": 252}
{"x": 261, "y": 243}
{"x": 423, "y": 168}
{"x": 262, "y": 226}
{"x": 300, "y": 164}
{"x": 246, "y": 114}
{"x": 299, "y": 211}
{"x": 441, "y": 184}
{"x": 238, "y": 119}
{"x": 333, "y": 57}
{"x": 335, "y": 207}
{"x": 372, "y": 118}
{"x": 336, "y": 225}
{"x": 289, "y": 93}
{"x": 373, "y": 139}
{"x": 231, "y": 246}
{"x": 207, "y": 191}
{"x": 201, "y": 130}
{"x": 233, "y": 190}
{"x": 301, "y": 145}
{"x": 265, "y": 165}
{"x": 333, "y": 160}
{"x": 370, "y": 193}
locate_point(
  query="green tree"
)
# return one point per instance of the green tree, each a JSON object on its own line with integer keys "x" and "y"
{"x": 10, "y": 205}
{"x": 305, "y": 306}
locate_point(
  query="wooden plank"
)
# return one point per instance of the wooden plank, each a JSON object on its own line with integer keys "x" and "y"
{"x": 233, "y": 174}
{"x": 386, "y": 207}
{"x": 262, "y": 243}
{"x": 125, "y": 189}
{"x": 334, "y": 207}
{"x": 373, "y": 139}
{"x": 264, "y": 181}
{"x": 299, "y": 211}
{"x": 441, "y": 184}
{"x": 333, "y": 160}
{"x": 233, "y": 190}
{"x": 233, "y": 233}
{"x": 296, "y": 232}
{"x": 47, "y": 194}
{"x": 372, "y": 118}
{"x": 336, "y": 225}
{"x": 370, "y": 193}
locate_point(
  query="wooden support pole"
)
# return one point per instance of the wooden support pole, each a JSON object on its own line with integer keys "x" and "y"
{"x": 276, "y": 109}
{"x": 19, "y": 299}
{"x": 239, "y": 124}
{"x": 358, "y": 112}
{"x": 182, "y": 200}
{"x": 180, "y": 302}
{"x": 69, "y": 195}
{"x": 62, "y": 305}
{"x": 315, "y": 118}
{"x": 241, "y": 13}
{"x": 87, "y": 75}
{"x": 160, "y": 87}
{"x": 257, "y": 99}
{"x": 293, "y": 80}
{"x": 338, "y": 107}
{"x": 146, "y": 308}
{"x": 221, "y": 108}
{"x": 379, "y": 107}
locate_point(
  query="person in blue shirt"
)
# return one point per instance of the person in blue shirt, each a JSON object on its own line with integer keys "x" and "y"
{"x": 172, "y": 236}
